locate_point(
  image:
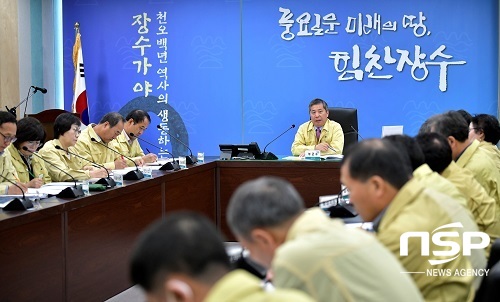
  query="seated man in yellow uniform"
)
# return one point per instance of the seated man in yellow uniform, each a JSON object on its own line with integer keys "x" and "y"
{"x": 319, "y": 133}
{"x": 7, "y": 171}
{"x": 466, "y": 154}
{"x": 456, "y": 206}
{"x": 422, "y": 171}
{"x": 93, "y": 141}
{"x": 382, "y": 190}
{"x": 137, "y": 121}
{"x": 182, "y": 258}
{"x": 30, "y": 168}
{"x": 308, "y": 251}
{"x": 437, "y": 152}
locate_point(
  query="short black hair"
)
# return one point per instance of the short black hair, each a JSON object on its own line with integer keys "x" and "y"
{"x": 450, "y": 123}
{"x": 466, "y": 115}
{"x": 63, "y": 123}
{"x": 489, "y": 125}
{"x": 138, "y": 115}
{"x": 409, "y": 145}
{"x": 436, "y": 149}
{"x": 378, "y": 157}
{"x": 183, "y": 242}
{"x": 267, "y": 201}
{"x": 7, "y": 117}
{"x": 113, "y": 118}
{"x": 29, "y": 129}
{"x": 317, "y": 102}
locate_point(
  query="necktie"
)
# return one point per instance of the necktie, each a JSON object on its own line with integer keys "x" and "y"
{"x": 318, "y": 133}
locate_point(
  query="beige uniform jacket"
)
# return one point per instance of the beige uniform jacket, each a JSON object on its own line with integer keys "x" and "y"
{"x": 130, "y": 148}
{"x": 331, "y": 133}
{"x": 64, "y": 161}
{"x": 241, "y": 286}
{"x": 94, "y": 151}
{"x": 37, "y": 164}
{"x": 431, "y": 179}
{"x": 482, "y": 206}
{"x": 8, "y": 171}
{"x": 331, "y": 262}
{"x": 492, "y": 152}
{"x": 416, "y": 209}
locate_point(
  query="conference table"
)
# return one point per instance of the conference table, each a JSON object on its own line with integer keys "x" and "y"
{"x": 78, "y": 249}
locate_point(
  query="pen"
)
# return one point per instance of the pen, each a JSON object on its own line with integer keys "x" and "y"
{"x": 17, "y": 178}
{"x": 331, "y": 148}
{"x": 148, "y": 150}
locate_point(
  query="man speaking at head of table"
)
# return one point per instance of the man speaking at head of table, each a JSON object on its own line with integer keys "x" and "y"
{"x": 319, "y": 133}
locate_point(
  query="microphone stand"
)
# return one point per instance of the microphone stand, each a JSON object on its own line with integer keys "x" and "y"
{"x": 190, "y": 159}
{"x": 356, "y": 131}
{"x": 130, "y": 175}
{"x": 68, "y": 192}
{"x": 174, "y": 165}
{"x": 269, "y": 155}
{"x": 13, "y": 109}
{"x": 107, "y": 181}
{"x": 17, "y": 204}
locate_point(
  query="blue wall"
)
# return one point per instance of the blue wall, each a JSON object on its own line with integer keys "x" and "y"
{"x": 234, "y": 79}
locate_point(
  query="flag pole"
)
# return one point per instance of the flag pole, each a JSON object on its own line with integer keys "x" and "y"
{"x": 77, "y": 28}
{"x": 80, "y": 101}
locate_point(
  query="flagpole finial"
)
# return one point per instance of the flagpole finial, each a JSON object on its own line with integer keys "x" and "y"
{"x": 77, "y": 27}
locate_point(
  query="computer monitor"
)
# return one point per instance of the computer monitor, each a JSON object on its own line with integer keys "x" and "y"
{"x": 240, "y": 151}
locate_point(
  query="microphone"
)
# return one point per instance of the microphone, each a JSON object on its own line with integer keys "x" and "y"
{"x": 68, "y": 192}
{"x": 269, "y": 155}
{"x": 17, "y": 204}
{"x": 108, "y": 182}
{"x": 131, "y": 175}
{"x": 42, "y": 90}
{"x": 355, "y": 131}
{"x": 338, "y": 207}
{"x": 174, "y": 165}
{"x": 12, "y": 110}
{"x": 189, "y": 159}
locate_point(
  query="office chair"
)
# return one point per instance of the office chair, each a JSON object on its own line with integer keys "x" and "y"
{"x": 348, "y": 119}
{"x": 47, "y": 118}
{"x": 494, "y": 254}
{"x": 489, "y": 290}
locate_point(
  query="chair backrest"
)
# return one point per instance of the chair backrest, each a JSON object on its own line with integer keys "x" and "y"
{"x": 490, "y": 289}
{"x": 348, "y": 119}
{"x": 494, "y": 253}
{"x": 47, "y": 118}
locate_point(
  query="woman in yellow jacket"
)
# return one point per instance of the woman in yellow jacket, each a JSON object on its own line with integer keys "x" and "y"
{"x": 66, "y": 133}
{"x": 30, "y": 169}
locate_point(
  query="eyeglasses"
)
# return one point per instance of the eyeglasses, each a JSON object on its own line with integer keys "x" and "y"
{"x": 8, "y": 139}
{"x": 33, "y": 143}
